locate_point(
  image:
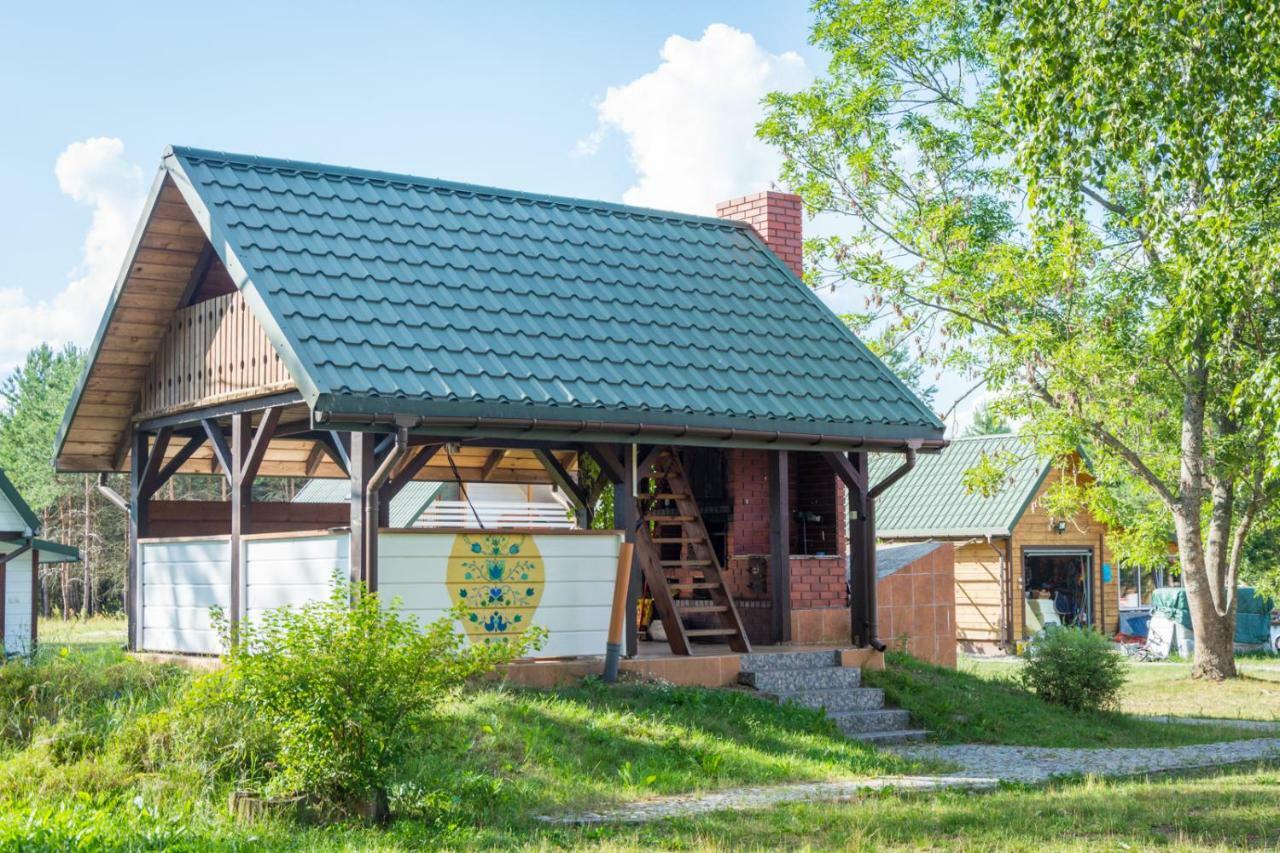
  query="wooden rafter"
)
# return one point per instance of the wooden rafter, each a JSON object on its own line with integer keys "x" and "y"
{"x": 495, "y": 457}
{"x": 561, "y": 477}
{"x": 221, "y": 452}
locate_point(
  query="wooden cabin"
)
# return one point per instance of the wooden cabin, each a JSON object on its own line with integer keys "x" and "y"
{"x": 21, "y": 555}
{"x": 277, "y": 318}
{"x": 1012, "y": 557}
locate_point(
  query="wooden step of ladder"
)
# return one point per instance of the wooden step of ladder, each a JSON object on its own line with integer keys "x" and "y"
{"x": 703, "y": 575}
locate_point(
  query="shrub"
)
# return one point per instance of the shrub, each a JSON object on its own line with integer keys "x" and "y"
{"x": 348, "y": 687}
{"x": 1076, "y": 668}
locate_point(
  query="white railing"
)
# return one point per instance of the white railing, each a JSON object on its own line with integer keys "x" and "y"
{"x": 494, "y": 514}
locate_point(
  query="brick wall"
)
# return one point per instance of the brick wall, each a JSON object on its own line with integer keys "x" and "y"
{"x": 776, "y": 218}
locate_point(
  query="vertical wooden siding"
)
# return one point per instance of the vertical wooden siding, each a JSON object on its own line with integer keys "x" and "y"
{"x": 213, "y": 351}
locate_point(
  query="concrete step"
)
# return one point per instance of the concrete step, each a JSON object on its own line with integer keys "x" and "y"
{"x": 770, "y": 662}
{"x": 801, "y": 680}
{"x": 883, "y": 720}
{"x": 889, "y": 738}
{"x": 844, "y": 699}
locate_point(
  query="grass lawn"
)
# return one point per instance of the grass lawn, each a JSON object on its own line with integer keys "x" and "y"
{"x": 1168, "y": 688}
{"x": 981, "y": 704}
{"x": 503, "y": 756}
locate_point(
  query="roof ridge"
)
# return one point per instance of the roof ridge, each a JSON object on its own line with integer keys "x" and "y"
{"x": 450, "y": 186}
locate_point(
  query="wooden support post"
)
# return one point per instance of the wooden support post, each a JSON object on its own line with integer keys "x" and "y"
{"x": 241, "y": 497}
{"x": 139, "y": 522}
{"x": 35, "y": 599}
{"x": 625, "y": 519}
{"x": 861, "y": 551}
{"x": 364, "y": 541}
{"x": 780, "y": 544}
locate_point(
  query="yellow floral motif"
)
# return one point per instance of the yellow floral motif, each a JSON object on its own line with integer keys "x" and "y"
{"x": 499, "y": 577}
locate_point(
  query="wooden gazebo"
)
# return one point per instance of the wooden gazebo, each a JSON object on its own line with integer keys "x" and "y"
{"x": 277, "y": 318}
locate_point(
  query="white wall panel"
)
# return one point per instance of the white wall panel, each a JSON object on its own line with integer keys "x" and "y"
{"x": 576, "y": 572}
{"x": 181, "y": 582}
{"x": 17, "y": 603}
{"x": 292, "y": 571}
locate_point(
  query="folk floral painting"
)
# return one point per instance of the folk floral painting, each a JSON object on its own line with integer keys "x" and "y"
{"x": 499, "y": 579}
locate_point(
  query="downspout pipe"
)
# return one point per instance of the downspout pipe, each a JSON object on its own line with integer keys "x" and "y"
{"x": 376, "y": 482}
{"x": 111, "y": 494}
{"x": 873, "y": 627}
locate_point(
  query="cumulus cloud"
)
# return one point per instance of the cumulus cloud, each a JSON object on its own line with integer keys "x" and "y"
{"x": 94, "y": 173}
{"x": 689, "y": 124}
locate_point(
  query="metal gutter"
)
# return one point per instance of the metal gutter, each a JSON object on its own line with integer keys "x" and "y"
{"x": 637, "y": 430}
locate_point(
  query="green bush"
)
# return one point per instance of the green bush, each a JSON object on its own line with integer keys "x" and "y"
{"x": 348, "y": 688}
{"x": 1076, "y": 668}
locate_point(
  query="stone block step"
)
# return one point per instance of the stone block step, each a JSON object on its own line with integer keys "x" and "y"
{"x": 766, "y": 661}
{"x": 854, "y": 699}
{"x": 889, "y": 738}
{"x": 800, "y": 680}
{"x": 883, "y": 720}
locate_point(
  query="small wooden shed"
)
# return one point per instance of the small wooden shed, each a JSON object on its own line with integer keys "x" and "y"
{"x": 1012, "y": 557}
{"x": 20, "y": 553}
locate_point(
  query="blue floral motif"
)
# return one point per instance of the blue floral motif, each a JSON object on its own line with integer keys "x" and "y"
{"x": 499, "y": 577}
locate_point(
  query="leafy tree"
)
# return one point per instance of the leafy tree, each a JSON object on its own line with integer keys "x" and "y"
{"x": 987, "y": 422}
{"x": 1077, "y": 199}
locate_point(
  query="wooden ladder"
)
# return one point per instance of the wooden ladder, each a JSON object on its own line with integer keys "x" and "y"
{"x": 670, "y": 516}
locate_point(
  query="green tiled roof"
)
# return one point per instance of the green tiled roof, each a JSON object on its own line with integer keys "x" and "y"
{"x": 392, "y": 294}
{"x": 405, "y": 507}
{"x": 932, "y": 501}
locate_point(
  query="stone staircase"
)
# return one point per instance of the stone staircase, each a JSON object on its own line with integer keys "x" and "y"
{"x": 817, "y": 680}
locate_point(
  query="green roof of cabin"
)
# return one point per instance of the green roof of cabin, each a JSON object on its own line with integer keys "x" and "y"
{"x": 406, "y": 506}
{"x": 397, "y": 295}
{"x": 931, "y": 501}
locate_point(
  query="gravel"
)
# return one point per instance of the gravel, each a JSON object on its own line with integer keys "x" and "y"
{"x": 980, "y": 767}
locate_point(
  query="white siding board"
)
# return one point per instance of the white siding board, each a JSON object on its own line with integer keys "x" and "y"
{"x": 579, "y": 571}
{"x": 291, "y": 571}
{"x": 17, "y": 603}
{"x": 10, "y": 518}
{"x": 181, "y": 583}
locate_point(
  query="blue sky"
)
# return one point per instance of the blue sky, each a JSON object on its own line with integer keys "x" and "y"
{"x": 618, "y": 101}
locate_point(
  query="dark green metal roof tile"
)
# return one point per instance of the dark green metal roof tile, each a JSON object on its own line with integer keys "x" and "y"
{"x": 393, "y": 287}
{"x": 931, "y": 500}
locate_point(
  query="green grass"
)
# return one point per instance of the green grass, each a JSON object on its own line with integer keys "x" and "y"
{"x": 69, "y": 765}
{"x": 503, "y": 756}
{"x": 964, "y": 706}
{"x": 1159, "y": 688}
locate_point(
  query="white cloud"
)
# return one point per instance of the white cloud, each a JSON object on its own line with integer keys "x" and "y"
{"x": 690, "y": 123}
{"x": 94, "y": 173}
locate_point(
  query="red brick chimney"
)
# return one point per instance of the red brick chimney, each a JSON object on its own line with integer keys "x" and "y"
{"x": 777, "y": 218}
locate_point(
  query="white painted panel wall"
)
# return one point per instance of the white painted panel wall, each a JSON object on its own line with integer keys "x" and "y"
{"x": 580, "y": 570}
{"x": 181, "y": 582}
{"x": 292, "y": 571}
{"x": 17, "y": 603}
{"x": 10, "y": 520}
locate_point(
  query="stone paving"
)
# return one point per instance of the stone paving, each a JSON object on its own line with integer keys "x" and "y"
{"x": 979, "y": 766}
